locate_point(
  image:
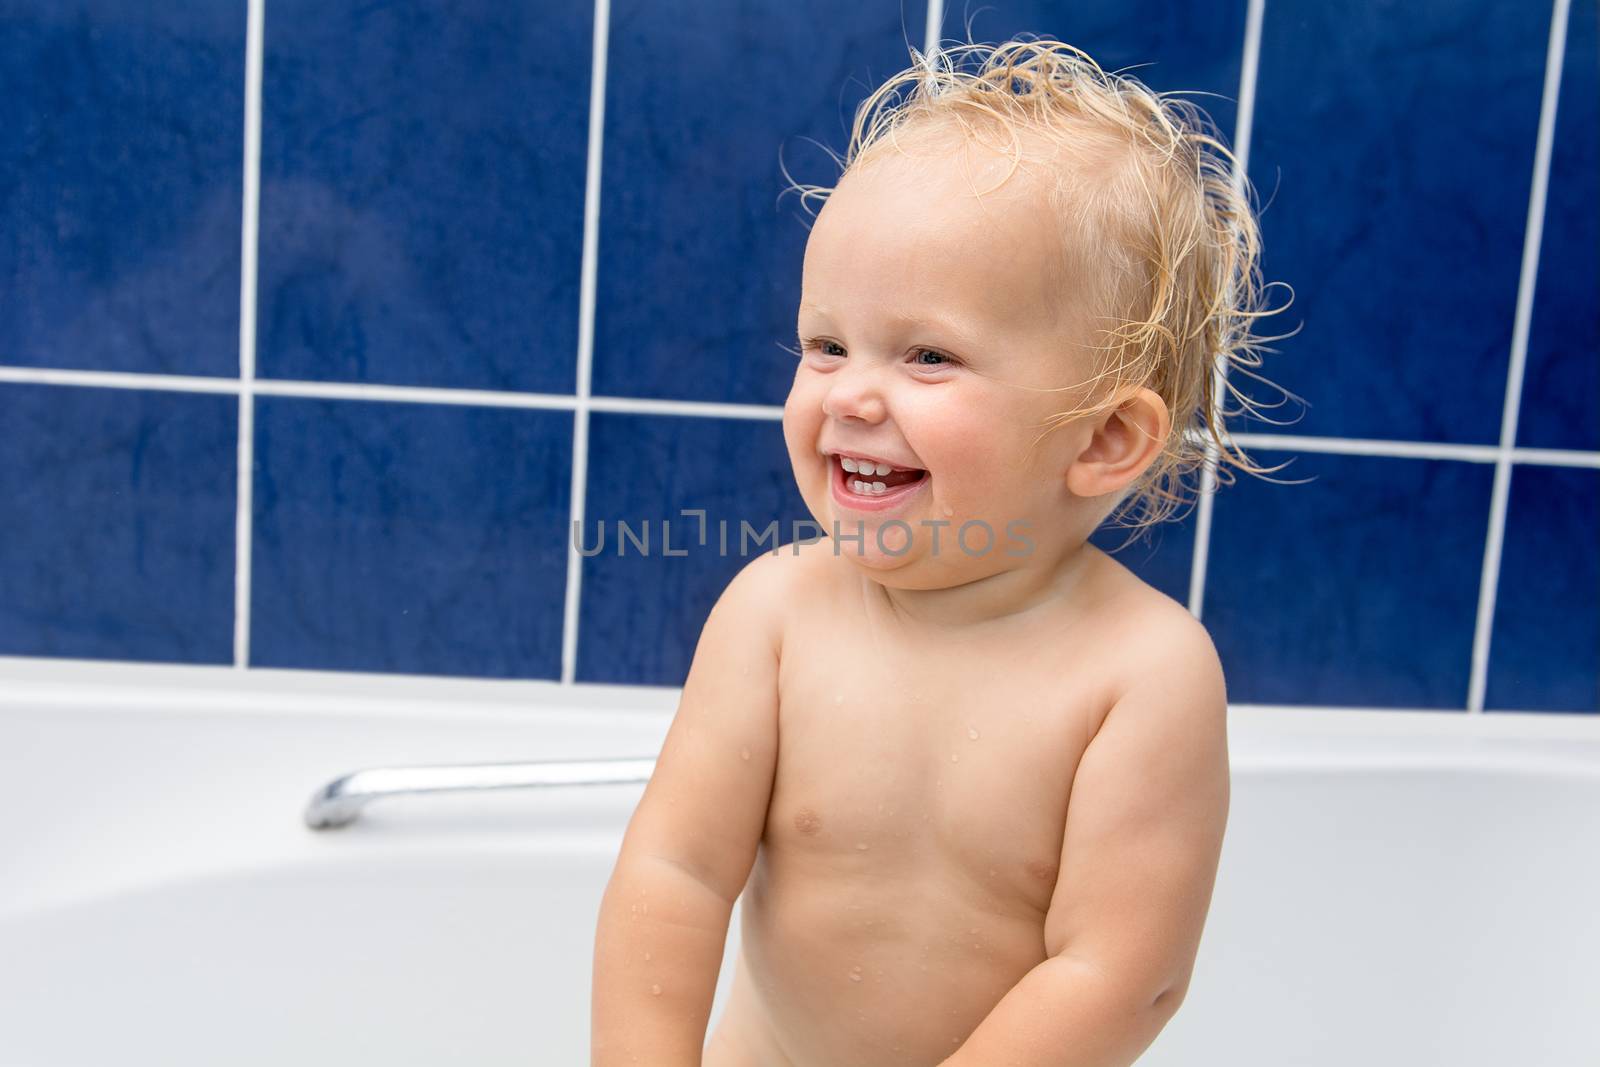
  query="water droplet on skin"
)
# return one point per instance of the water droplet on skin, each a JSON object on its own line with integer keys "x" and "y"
{"x": 862, "y": 845}
{"x": 854, "y": 977}
{"x": 744, "y": 753}
{"x": 991, "y": 872}
{"x": 838, "y": 698}
{"x": 655, "y": 991}
{"x": 974, "y": 944}
{"x": 647, "y": 957}
{"x": 949, "y": 510}
{"x": 954, "y": 758}
{"x": 972, "y": 732}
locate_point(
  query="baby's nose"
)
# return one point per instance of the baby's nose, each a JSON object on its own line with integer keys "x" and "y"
{"x": 854, "y": 395}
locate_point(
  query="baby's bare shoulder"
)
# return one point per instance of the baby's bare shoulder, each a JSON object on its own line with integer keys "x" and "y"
{"x": 776, "y": 586}
{"x": 1143, "y": 628}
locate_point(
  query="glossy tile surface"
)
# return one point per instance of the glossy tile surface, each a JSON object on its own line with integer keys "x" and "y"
{"x": 422, "y": 175}
{"x": 1393, "y": 151}
{"x": 1545, "y": 654}
{"x": 121, "y": 180}
{"x": 118, "y": 524}
{"x": 412, "y": 538}
{"x": 1359, "y": 588}
{"x": 423, "y": 182}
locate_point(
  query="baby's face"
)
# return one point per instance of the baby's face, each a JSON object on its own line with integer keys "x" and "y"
{"x": 923, "y": 310}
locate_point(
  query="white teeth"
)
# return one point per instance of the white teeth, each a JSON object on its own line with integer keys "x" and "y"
{"x": 864, "y": 466}
{"x": 856, "y": 485}
{"x": 878, "y": 487}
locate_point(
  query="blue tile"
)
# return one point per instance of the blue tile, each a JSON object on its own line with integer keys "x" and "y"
{"x": 1562, "y": 380}
{"x": 1545, "y": 652}
{"x": 1393, "y": 150}
{"x": 119, "y": 529}
{"x": 121, "y": 163}
{"x": 416, "y": 538}
{"x": 1357, "y": 588}
{"x": 1170, "y": 45}
{"x": 699, "y": 272}
{"x": 422, "y": 180}
{"x": 642, "y": 610}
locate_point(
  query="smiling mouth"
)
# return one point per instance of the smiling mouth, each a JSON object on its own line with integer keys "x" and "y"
{"x": 873, "y": 488}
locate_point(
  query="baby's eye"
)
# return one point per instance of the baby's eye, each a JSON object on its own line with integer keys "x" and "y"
{"x": 826, "y": 347}
{"x": 945, "y": 360}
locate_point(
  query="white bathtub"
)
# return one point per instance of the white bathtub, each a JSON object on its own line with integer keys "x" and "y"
{"x": 1395, "y": 889}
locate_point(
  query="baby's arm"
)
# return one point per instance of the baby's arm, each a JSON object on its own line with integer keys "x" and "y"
{"x": 692, "y": 840}
{"x": 1145, "y": 822}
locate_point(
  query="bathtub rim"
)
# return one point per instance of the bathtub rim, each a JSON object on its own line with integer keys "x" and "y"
{"x": 32, "y": 681}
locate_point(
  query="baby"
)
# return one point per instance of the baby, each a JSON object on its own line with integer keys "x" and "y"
{"x": 969, "y": 772}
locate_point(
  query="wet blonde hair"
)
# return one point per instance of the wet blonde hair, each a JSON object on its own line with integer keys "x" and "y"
{"x": 1152, "y": 212}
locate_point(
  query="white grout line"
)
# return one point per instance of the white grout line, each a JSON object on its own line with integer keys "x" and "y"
{"x": 408, "y": 394}
{"x": 586, "y": 299}
{"x": 930, "y": 36}
{"x": 1250, "y": 64}
{"x": 101, "y": 379}
{"x": 1533, "y": 234}
{"x": 244, "y": 480}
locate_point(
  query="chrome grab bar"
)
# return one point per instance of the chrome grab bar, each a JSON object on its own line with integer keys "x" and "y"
{"x": 341, "y": 800}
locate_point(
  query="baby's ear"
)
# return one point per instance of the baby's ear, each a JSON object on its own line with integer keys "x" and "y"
{"x": 1126, "y": 440}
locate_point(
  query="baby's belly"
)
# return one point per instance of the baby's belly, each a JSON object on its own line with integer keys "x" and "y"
{"x": 895, "y": 969}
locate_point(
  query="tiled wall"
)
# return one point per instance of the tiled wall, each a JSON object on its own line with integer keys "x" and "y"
{"x": 428, "y": 343}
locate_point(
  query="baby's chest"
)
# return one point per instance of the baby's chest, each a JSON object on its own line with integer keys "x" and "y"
{"x": 888, "y": 774}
